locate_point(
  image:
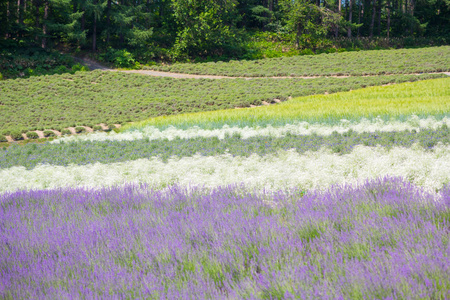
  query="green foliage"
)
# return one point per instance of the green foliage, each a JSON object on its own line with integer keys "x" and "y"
{"x": 205, "y": 28}
{"x": 26, "y": 62}
{"x": 3, "y": 139}
{"x": 49, "y": 133}
{"x": 32, "y": 135}
{"x": 120, "y": 58}
{"x": 16, "y": 135}
{"x": 65, "y": 132}
{"x": 79, "y": 67}
{"x": 97, "y": 128}
{"x": 80, "y": 129}
{"x": 1, "y": 76}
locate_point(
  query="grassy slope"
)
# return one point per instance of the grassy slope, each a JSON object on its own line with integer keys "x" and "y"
{"x": 375, "y": 62}
{"x": 430, "y": 97}
{"x": 89, "y": 98}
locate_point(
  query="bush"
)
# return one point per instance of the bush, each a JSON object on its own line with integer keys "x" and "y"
{"x": 1, "y": 77}
{"x": 32, "y": 135}
{"x": 97, "y": 128}
{"x": 80, "y": 129}
{"x": 65, "y": 132}
{"x": 16, "y": 135}
{"x": 49, "y": 133}
{"x": 111, "y": 127}
{"x": 79, "y": 67}
{"x": 120, "y": 58}
{"x": 3, "y": 138}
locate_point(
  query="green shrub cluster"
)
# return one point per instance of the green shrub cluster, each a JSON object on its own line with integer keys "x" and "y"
{"x": 16, "y": 135}
{"x": 89, "y": 98}
{"x": 49, "y": 133}
{"x": 32, "y": 135}
{"x": 26, "y": 62}
{"x": 80, "y": 129}
{"x": 65, "y": 132}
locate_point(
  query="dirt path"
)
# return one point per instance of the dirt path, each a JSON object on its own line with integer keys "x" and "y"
{"x": 93, "y": 65}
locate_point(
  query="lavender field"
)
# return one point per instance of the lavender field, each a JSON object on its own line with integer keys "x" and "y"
{"x": 385, "y": 238}
{"x": 238, "y": 204}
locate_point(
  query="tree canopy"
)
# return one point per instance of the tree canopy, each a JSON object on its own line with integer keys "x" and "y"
{"x": 199, "y": 28}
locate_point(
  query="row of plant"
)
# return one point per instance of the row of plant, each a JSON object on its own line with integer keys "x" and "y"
{"x": 82, "y": 153}
{"x": 17, "y": 135}
{"x": 279, "y": 170}
{"x": 212, "y": 205}
{"x": 91, "y": 98}
{"x": 395, "y": 102}
{"x": 412, "y": 123}
{"x": 376, "y": 62}
{"x": 386, "y": 238}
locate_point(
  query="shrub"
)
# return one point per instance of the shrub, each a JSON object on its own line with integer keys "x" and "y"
{"x": 80, "y": 129}
{"x": 97, "y": 128}
{"x": 32, "y": 135}
{"x": 120, "y": 58}
{"x": 65, "y": 132}
{"x": 3, "y": 138}
{"x": 1, "y": 76}
{"x": 79, "y": 67}
{"x": 49, "y": 133}
{"x": 17, "y": 135}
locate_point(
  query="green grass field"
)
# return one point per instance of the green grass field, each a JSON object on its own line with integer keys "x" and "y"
{"x": 374, "y": 62}
{"x": 90, "y": 98}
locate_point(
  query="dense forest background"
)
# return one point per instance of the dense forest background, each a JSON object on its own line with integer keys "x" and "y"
{"x": 176, "y": 30}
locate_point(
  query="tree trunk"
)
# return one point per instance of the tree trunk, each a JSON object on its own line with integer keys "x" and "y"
{"x": 388, "y": 11}
{"x": 8, "y": 19}
{"x": 94, "y": 32}
{"x": 350, "y": 19}
{"x": 412, "y": 6}
{"x": 108, "y": 20}
{"x": 83, "y": 19}
{"x": 20, "y": 12}
{"x": 372, "y": 23}
{"x": 44, "y": 26}
{"x": 379, "y": 18}
{"x": 360, "y": 12}
{"x": 36, "y": 15}
{"x": 336, "y": 32}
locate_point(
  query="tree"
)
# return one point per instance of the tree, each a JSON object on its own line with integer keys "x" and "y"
{"x": 310, "y": 23}
{"x": 205, "y": 27}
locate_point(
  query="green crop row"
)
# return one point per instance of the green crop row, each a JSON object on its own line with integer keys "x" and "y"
{"x": 81, "y": 153}
{"x": 375, "y": 62}
{"x": 91, "y": 98}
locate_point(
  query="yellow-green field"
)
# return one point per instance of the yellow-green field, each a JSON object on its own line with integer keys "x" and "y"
{"x": 429, "y": 97}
